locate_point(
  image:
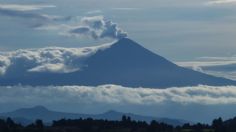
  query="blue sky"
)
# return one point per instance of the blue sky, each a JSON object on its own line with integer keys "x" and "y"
{"x": 179, "y": 30}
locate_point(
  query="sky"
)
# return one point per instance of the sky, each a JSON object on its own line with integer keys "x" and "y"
{"x": 178, "y": 30}
{"x": 195, "y": 34}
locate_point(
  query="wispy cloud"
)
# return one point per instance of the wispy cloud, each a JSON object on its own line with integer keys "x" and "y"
{"x": 212, "y": 2}
{"x": 26, "y": 12}
{"x": 17, "y": 10}
{"x": 218, "y": 66}
{"x": 94, "y": 12}
{"x": 125, "y": 9}
{"x": 20, "y": 7}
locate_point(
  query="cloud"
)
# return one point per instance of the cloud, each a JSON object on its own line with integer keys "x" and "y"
{"x": 113, "y": 94}
{"x": 221, "y": 2}
{"x": 16, "y": 10}
{"x": 25, "y": 11}
{"x": 18, "y": 7}
{"x": 51, "y": 59}
{"x": 94, "y": 12}
{"x": 97, "y": 27}
{"x": 218, "y": 66}
{"x": 29, "y": 15}
{"x": 125, "y": 9}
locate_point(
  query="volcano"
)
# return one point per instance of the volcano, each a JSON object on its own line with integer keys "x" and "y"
{"x": 124, "y": 63}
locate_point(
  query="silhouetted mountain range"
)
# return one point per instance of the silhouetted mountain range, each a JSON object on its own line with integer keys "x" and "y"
{"x": 29, "y": 115}
{"x": 124, "y": 63}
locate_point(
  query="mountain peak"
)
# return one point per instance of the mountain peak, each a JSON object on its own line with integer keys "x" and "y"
{"x": 111, "y": 112}
{"x": 126, "y": 42}
{"x": 39, "y": 107}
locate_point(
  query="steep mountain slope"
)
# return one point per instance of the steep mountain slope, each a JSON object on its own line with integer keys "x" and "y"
{"x": 129, "y": 64}
{"x": 124, "y": 63}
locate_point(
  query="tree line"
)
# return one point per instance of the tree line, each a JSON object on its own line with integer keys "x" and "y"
{"x": 126, "y": 124}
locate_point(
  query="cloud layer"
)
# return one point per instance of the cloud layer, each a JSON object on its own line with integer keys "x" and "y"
{"x": 218, "y": 66}
{"x": 113, "y": 94}
{"x": 51, "y": 59}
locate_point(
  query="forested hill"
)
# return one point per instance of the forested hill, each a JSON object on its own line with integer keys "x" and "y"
{"x": 125, "y": 125}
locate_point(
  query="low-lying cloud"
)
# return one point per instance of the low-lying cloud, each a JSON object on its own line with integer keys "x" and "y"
{"x": 51, "y": 59}
{"x": 113, "y": 94}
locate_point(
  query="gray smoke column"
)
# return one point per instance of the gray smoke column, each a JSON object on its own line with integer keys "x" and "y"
{"x": 97, "y": 27}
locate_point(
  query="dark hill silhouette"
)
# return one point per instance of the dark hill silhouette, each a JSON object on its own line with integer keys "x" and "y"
{"x": 40, "y": 112}
{"x": 125, "y": 63}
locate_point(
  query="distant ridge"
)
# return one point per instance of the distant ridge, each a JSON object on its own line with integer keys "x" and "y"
{"x": 28, "y": 115}
{"x": 124, "y": 63}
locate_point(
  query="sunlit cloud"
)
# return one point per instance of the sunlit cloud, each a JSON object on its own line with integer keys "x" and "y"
{"x": 50, "y": 59}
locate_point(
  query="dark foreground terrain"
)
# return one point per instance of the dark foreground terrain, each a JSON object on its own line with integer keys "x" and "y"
{"x": 125, "y": 125}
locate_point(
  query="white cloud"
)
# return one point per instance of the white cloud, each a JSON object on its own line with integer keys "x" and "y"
{"x": 94, "y": 12}
{"x": 51, "y": 59}
{"x": 221, "y": 2}
{"x": 125, "y": 9}
{"x": 18, "y": 7}
{"x": 4, "y": 64}
{"x": 113, "y": 94}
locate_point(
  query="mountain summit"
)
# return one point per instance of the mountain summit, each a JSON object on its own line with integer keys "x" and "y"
{"x": 123, "y": 63}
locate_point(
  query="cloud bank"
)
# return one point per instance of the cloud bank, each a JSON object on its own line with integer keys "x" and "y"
{"x": 113, "y": 94}
{"x": 51, "y": 59}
